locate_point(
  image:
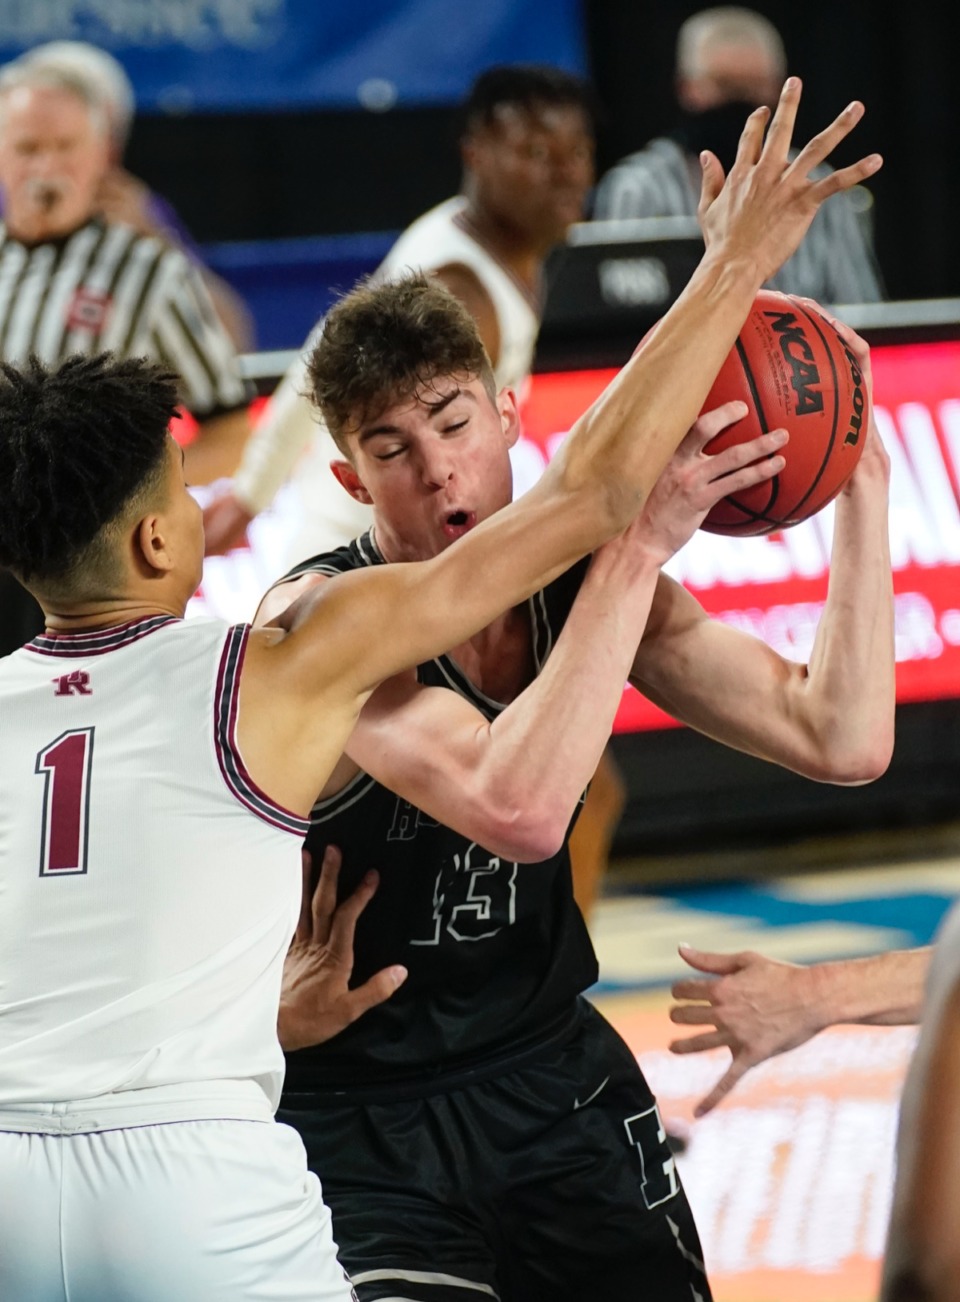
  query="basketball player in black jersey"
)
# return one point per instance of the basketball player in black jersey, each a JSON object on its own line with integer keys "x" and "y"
{"x": 485, "y": 1130}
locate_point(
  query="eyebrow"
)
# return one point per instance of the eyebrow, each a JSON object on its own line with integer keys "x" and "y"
{"x": 435, "y": 408}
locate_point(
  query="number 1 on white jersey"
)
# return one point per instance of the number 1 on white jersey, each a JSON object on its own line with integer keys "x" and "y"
{"x": 65, "y": 767}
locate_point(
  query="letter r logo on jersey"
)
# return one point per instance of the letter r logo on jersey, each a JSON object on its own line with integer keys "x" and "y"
{"x": 76, "y": 683}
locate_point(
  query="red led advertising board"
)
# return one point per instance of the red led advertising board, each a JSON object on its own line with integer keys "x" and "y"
{"x": 773, "y": 586}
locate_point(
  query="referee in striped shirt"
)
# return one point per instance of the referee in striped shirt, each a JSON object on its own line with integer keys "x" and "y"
{"x": 729, "y": 61}
{"x": 72, "y": 282}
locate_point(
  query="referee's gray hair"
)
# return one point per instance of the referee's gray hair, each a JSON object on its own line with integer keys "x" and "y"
{"x": 105, "y": 75}
{"x": 726, "y": 25}
{"x": 23, "y": 74}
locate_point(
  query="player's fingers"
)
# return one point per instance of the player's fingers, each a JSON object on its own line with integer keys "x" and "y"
{"x": 713, "y": 422}
{"x": 325, "y": 895}
{"x": 344, "y": 922}
{"x": 699, "y": 990}
{"x": 306, "y": 901}
{"x": 706, "y": 961}
{"x": 693, "y": 1014}
{"x": 722, "y": 1088}
{"x": 816, "y": 150}
{"x": 735, "y": 481}
{"x": 740, "y": 455}
{"x": 776, "y": 145}
{"x": 711, "y": 181}
{"x": 374, "y": 991}
{"x": 700, "y": 1043}
{"x": 750, "y": 146}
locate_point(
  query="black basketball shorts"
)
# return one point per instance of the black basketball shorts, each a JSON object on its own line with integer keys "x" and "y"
{"x": 550, "y": 1181}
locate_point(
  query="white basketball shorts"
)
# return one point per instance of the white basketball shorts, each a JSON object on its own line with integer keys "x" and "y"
{"x": 199, "y": 1211}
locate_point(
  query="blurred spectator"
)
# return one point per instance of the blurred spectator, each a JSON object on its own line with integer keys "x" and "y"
{"x": 73, "y": 282}
{"x": 125, "y": 198}
{"x": 729, "y": 61}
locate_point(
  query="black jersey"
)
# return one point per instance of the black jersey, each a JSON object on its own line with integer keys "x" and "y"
{"x": 497, "y": 952}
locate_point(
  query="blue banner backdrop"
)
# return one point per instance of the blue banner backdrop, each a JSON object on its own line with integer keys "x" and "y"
{"x": 222, "y": 55}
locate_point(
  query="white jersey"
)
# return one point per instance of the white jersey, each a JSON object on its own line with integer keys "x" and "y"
{"x": 441, "y": 238}
{"x": 150, "y": 889}
{"x": 290, "y": 432}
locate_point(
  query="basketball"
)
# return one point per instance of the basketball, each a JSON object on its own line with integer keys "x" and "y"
{"x": 792, "y": 369}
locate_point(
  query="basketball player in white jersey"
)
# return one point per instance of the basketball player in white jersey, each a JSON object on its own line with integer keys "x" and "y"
{"x": 156, "y": 774}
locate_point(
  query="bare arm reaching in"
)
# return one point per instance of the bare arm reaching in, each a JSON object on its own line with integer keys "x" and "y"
{"x": 758, "y": 1007}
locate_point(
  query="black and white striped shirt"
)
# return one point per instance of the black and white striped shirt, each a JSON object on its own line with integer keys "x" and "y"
{"x": 106, "y": 288}
{"x": 834, "y": 264}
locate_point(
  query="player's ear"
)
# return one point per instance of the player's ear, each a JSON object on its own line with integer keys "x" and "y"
{"x": 347, "y": 477}
{"x": 509, "y": 415}
{"x": 151, "y": 545}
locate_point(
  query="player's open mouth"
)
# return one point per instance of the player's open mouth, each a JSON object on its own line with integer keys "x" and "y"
{"x": 458, "y": 523}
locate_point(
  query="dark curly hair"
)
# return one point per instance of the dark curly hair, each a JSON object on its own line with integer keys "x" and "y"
{"x": 525, "y": 86}
{"x": 78, "y": 442}
{"x": 385, "y": 341}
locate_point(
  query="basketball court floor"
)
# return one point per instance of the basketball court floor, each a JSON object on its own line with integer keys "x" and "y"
{"x": 790, "y": 1177}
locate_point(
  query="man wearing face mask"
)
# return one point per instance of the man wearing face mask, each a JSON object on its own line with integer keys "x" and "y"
{"x": 729, "y": 61}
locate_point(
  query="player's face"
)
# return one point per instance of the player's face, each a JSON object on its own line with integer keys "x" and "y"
{"x": 435, "y": 466}
{"x": 534, "y": 169}
{"x": 53, "y": 157}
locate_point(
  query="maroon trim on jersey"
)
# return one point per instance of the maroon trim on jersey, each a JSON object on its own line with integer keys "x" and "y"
{"x": 225, "y": 736}
{"x": 97, "y": 641}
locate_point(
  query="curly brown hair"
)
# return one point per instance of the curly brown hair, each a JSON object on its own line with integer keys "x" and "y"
{"x": 386, "y": 341}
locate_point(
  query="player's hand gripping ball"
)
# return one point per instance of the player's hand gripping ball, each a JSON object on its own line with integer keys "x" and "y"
{"x": 792, "y": 369}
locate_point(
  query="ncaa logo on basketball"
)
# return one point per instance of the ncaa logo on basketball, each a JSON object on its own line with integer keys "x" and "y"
{"x": 797, "y": 353}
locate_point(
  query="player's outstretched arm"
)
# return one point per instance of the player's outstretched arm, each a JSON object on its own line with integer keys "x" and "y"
{"x": 832, "y": 719}
{"x": 316, "y": 1001}
{"x": 758, "y": 1007}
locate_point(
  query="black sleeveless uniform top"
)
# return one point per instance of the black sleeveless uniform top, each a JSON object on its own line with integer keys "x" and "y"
{"x": 497, "y": 952}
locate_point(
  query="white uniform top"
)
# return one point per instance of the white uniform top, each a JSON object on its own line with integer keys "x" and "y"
{"x": 290, "y": 431}
{"x": 149, "y": 888}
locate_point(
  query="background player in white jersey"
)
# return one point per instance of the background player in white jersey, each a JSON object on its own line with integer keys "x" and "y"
{"x": 160, "y": 1062}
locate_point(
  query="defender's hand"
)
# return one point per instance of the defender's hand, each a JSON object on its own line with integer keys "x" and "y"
{"x": 695, "y": 480}
{"x": 758, "y": 1007}
{"x": 761, "y": 211}
{"x": 316, "y": 1001}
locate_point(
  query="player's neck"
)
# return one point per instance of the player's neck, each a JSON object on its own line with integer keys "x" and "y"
{"x": 509, "y": 245}
{"x": 499, "y": 659}
{"x": 75, "y": 617}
